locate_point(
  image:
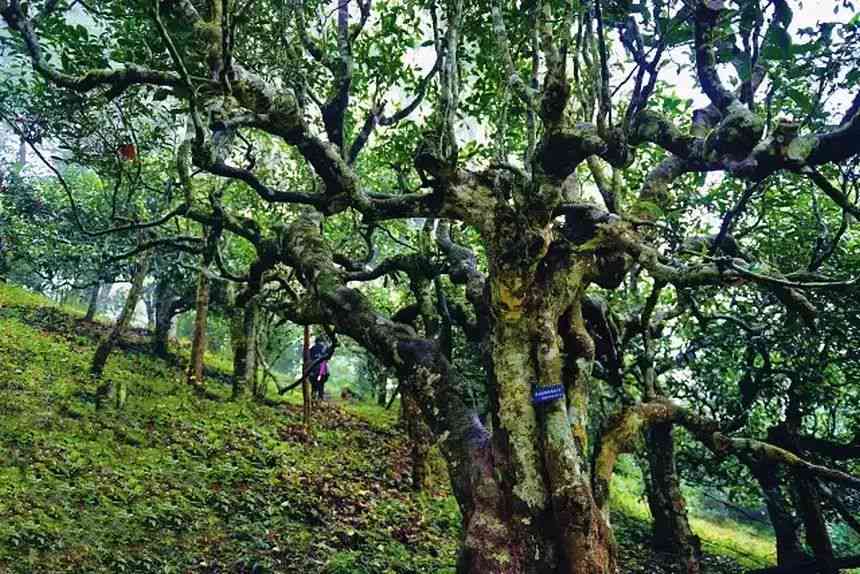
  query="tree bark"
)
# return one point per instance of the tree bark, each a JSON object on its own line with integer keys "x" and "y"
{"x": 164, "y": 307}
{"x": 380, "y": 386}
{"x": 419, "y": 440}
{"x": 108, "y": 342}
{"x": 149, "y": 304}
{"x": 306, "y": 385}
{"x": 554, "y": 522}
{"x": 92, "y": 305}
{"x": 198, "y": 343}
{"x": 789, "y": 550}
{"x": 243, "y": 337}
{"x": 671, "y": 530}
{"x": 817, "y": 535}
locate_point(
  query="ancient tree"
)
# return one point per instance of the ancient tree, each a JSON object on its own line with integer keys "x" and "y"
{"x": 554, "y": 94}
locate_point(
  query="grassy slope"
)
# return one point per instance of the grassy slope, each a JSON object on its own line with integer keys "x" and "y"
{"x": 175, "y": 483}
{"x": 745, "y": 544}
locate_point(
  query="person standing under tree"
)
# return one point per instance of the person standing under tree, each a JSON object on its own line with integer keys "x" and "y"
{"x": 319, "y": 373}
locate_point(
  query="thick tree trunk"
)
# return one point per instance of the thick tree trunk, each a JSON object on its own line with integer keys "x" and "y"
{"x": 671, "y": 531}
{"x": 198, "y": 342}
{"x": 789, "y": 550}
{"x": 92, "y": 305}
{"x": 549, "y": 520}
{"x": 243, "y": 338}
{"x": 525, "y": 492}
{"x": 108, "y": 342}
{"x": 419, "y": 440}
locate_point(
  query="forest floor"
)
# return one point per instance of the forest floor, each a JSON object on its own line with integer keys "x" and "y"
{"x": 178, "y": 483}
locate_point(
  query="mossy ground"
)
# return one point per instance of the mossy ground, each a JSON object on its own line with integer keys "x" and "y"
{"x": 178, "y": 483}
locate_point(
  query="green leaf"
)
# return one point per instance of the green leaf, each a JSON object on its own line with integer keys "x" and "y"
{"x": 800, "y": 98}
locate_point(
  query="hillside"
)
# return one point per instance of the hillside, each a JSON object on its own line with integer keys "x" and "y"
{"x": 178, "y": 483}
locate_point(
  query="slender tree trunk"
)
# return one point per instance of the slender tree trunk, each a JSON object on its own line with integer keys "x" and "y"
{"x": 92, "y": 305}
{"x": 419, "y": 440}
{"x": 108, "y": 342}
{"x": 306, "y": 385}
{"x": 789, "y": 550}
{"x": 381, "y": 390}
{"x": 671, "y": 531}
{"x": 198, "y": 343}
{"x": 163, "y": 321}
{"x": 243, "y": 337}
{"x": 22, "y": 152}
{"x": 151, "y": 312}
{"x": 4, "y": 265}
{"x": 166, "y": 304}
{"x": 807, "y": 498}
{"x": 239, "y": 344}
{"x": 817, "y": 535}
{"x": 252, "y": 327}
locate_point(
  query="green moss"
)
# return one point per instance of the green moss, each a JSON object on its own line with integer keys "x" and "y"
{"x": 736, "y": 134}
{"x": 209, "y": 30}
{"x": 800, "y": 148}
{"x": 502, "y": 557}
{"x": 517, "y": 416}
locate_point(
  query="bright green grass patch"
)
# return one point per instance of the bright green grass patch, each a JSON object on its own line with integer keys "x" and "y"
{"x": 747, "y": 545}
{"x": 376, "y": 416}
{"x": 14, "y": 296}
